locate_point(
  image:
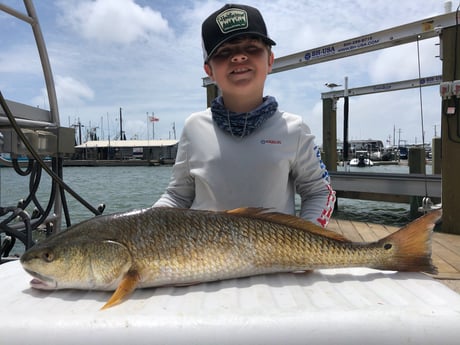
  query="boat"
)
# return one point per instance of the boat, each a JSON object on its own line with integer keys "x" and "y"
{"x": 361, "y": 162}
{"x": 374, "y": 149}
{"x": 7, "y": 160}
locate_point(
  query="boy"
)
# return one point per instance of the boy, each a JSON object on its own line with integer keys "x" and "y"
{"x": 244, "y": 151}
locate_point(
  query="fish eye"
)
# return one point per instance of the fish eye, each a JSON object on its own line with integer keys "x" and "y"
{"x": 387, "y": 246}
{"x": 48, "y": 256}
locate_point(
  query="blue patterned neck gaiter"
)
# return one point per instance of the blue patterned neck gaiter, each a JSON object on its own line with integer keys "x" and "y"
{"x": 242, "y": 124}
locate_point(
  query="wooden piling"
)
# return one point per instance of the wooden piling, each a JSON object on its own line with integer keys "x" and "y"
{"x": 450, "y": 133}
{"x": 417, "y": 165}
{"x": 436, "y": 155}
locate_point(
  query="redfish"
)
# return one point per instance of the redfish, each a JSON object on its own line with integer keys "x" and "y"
{"x": 169, "y": 246}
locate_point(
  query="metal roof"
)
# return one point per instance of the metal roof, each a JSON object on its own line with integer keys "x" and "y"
{"x": 127, "y": 143}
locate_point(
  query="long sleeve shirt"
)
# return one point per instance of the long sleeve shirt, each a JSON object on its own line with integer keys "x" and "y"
{"x": 217, "y": 171}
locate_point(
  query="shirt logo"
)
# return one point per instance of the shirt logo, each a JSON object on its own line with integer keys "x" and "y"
{"x": 270, "y": 141}
{"x": 232, "y": 19}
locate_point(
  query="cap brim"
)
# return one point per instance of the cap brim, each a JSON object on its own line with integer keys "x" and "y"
{"x": 266, "y": 39}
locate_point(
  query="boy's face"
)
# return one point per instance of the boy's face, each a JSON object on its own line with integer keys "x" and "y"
{"x": 240, "y": 66}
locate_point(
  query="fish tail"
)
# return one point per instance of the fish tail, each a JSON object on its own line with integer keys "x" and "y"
{"x": 410, "y": 247}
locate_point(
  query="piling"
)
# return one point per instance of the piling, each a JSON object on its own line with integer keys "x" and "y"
{"x": 416, "y": 166}
{"x": 436, "y": 155}
{"x": 212, "y": 91}
{"x": 450, "y": 133}
{"x": 330, "y": 134}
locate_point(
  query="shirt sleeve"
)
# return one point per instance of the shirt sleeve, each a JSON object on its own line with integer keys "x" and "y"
{"x": 181, "y": 189}
{"x": 312, "y": 180}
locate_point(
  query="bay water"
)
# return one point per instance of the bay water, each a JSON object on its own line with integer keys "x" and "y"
{"x": 124, "y": 188}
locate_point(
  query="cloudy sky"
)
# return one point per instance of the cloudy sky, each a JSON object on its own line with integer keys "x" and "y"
{"x": 145, "y": 57}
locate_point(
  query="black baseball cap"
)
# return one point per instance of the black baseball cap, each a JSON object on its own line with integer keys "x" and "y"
{"x": 229, "y": 22}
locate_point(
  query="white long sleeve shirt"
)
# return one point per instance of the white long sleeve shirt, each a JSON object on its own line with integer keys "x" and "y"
{"x": 217, "y": 171}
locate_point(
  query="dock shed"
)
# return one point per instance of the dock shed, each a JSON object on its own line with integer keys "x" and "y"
{"x": 148, "y": 150}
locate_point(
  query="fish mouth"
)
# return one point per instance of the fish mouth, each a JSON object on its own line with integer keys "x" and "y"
{"x": 41, "y": 282}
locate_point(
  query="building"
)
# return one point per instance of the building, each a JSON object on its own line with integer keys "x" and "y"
{"x": 160, "y": 151}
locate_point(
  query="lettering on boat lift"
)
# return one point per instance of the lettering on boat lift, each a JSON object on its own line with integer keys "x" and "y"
{"x": 320, "y": 52}
{"x": 358, "y": 43}
{"x": 353, "y": 44}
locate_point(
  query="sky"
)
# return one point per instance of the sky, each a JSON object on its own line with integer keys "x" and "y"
{"x": 145, "y": 57}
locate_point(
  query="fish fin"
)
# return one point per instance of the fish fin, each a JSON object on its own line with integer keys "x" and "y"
{"x": 127, "y": 285}
{"x": 412, "y": 245}
{"x": 249, "y": 211}
{"x": 287, "y": 219}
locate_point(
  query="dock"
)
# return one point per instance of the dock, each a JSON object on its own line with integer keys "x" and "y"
{"x": 389, "y": 187}
{"x": 445, "y": 247}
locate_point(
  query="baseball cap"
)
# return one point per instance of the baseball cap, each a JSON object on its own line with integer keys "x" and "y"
{"x": 229, "y": 22}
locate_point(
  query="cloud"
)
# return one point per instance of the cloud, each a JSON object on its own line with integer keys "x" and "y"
{"x": 114, "y": 21}
{"x": 17, "y": 59}
{"x": 71, "y": 92}
{"x": 401, "y": 63}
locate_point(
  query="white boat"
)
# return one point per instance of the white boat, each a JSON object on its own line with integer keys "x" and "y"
{"x": 6, "y": 160}
{"x": 361, "y": 162}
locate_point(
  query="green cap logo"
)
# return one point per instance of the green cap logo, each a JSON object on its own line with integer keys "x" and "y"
{"x": 232, "y": 19}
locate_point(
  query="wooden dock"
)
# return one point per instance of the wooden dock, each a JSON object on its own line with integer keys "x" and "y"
{"x": 446, "y": 247}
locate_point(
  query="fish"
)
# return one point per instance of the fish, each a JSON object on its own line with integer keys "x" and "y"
{"x": 165, "y": 246}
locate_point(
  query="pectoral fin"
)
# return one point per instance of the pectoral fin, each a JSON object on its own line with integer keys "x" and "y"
{"x": 127, "y": 285}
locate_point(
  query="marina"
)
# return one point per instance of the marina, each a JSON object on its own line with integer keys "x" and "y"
{"x": 38, "y": 199}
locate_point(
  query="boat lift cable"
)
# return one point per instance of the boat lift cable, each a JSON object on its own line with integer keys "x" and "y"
{"x": 454, "y": 102}
{"x": 427, "y": 204}
{"x": 36, "y": 156}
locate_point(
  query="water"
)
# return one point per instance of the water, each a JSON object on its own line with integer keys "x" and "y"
{"x": 126, "y": 188}
{"x": 119, "y": 188}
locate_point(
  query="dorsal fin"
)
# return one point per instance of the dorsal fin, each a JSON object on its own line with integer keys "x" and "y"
{"x": 286, "y": 219}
